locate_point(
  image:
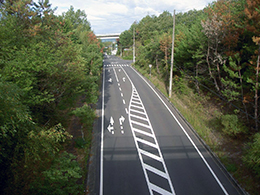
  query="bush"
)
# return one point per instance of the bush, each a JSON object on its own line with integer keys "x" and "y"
{"x": 252, "y": 156}
{"x": 179, "y": 85}
{"x": 61, "y": 178}
{"x": 231, "y": 126}
{"x": 85, "y": 114}
{"x": 80, "y": 142}
{"x": 127, "y": 57}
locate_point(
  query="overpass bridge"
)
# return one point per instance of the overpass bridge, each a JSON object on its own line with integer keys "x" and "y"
{"x": 108, "y": 37}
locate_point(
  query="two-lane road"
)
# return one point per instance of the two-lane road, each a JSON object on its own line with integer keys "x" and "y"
{"x": 145, "y": 147}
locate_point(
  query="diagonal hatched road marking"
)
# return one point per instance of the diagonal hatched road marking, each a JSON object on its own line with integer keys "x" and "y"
{"x": 148, "y": 148}
{"x": 153, "y": 165}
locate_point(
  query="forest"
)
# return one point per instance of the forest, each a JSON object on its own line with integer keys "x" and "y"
{"x": 216, "y": 56}
{"x": 50, "y": 67}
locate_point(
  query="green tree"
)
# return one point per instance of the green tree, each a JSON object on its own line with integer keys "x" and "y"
{"x": 252, "y": 156}
{"x": 252, "y": 12}
{"x": 46, "y": 64}
{"x": 165, "y": 45}
{"x": 15, "y": 122}
{"x": 73, "y": 19}
{"x": 60, "y": 178}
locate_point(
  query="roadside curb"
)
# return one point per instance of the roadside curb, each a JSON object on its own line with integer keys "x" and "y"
{"x": 93, "y": 169}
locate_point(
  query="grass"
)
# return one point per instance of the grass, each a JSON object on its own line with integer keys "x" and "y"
{"x": 127, "y": 57}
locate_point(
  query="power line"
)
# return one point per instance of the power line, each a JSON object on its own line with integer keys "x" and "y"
{"x": 221, "y": 97}
{"x": 211, "y": 82}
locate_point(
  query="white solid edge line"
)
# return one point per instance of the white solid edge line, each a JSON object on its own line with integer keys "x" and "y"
{"x": 102, "y": 137}
{"x": 202, "y": 157}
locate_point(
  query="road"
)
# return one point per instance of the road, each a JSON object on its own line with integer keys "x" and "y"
{"x": 145, "y": 146}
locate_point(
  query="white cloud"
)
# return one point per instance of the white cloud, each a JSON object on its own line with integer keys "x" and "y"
{"x": 142, "y": 11}
{"x": 105, "y": 9}
{"x": 115, "y": 16}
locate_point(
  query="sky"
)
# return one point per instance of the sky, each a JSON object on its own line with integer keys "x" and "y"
{"x": 116, "y": 16}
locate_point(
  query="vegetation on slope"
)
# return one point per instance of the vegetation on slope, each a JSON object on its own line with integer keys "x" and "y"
{"x": 216, "y": 75}
{"x": 49, "y": 65}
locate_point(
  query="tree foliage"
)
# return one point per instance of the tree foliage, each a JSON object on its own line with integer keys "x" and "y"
{"x": 217, "y": 49}
{"x": 253, "y": 154}
{"x": 46, "y": 63}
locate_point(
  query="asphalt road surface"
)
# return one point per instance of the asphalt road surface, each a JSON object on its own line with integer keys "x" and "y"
{"x": 146, "y": 147}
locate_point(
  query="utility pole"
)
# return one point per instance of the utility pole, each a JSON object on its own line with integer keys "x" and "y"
{"x": 134, "y": 45}
{"x": 172, "y": 56}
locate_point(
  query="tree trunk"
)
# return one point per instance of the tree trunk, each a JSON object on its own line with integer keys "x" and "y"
{"x": 166, "y": 57}
{"x": 157, "y": 64}
{"x": 218, "y": 69}
{"x": 242, "y": 94}
{"x": 210, "y": 72}
{"x": 256, "y": 89}
{"x": 196, "y": 77}
{"x": 219, "y": 76}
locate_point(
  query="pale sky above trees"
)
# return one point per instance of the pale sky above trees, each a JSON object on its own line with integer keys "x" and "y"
{"x": 115, "y": 16}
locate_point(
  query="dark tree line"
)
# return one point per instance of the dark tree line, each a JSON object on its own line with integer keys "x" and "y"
{"x": 47, "y": 63}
